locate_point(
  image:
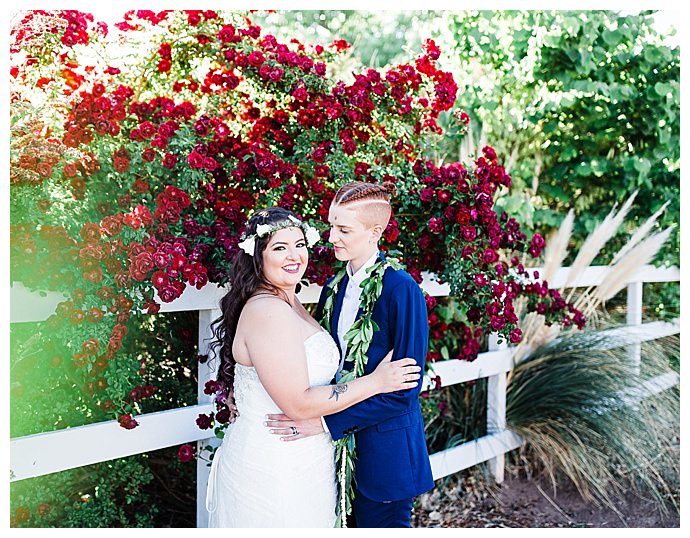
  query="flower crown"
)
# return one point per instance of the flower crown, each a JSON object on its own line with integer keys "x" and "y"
{"x": 262, "y": 230}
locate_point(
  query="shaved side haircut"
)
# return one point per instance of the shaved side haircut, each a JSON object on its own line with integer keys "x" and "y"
{"x": 371, "y": 201}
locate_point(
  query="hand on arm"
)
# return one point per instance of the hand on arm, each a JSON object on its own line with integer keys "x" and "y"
{"x": 281, "y": 364}
{"x": 388, "y": 371}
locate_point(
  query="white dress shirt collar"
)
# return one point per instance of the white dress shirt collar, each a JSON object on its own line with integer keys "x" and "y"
{"x": 358, "y": 277}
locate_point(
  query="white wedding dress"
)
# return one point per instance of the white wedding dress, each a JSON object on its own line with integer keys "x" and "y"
{"x": 256, "y": 479}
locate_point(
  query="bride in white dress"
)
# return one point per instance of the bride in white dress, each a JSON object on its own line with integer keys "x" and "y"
{"x": 277, "y": 359}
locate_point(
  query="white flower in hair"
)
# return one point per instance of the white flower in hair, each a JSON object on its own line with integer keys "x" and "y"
{"x": 295, "y": 220}
{"x": 312, "y": 234}
{"x": 248, "y": 245}
{"x": 263, "y": 229}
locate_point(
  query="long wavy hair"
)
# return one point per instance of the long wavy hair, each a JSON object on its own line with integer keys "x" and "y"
{"x": 246, "y": 276}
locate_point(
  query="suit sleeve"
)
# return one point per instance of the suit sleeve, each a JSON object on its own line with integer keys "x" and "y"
{"x": 408, "y": 322}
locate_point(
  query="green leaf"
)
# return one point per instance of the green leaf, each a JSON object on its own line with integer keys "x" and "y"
{"x": 652, "y": 55}
{"x": 549, "y": 126}
{"x": 611, "y": 37}
{"x": 662, "y": 89}
{"x": 368, "y": 332}
{"x": 585, "y": 86}
{"x": 553, "y": 41}
{"x": 568, "y": 153}
{"x": 642, "y": 165}
{"x": 583, "y": 169}
{"x": 346, "y": 377}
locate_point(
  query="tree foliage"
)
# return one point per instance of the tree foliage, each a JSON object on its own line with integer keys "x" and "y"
{"x": 586, "y": 103}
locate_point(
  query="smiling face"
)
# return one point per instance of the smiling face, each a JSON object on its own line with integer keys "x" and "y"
{"x": 353, "y": 239}
{"x": 285, "y": 258}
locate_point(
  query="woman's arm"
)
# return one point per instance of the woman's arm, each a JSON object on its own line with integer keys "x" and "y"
{"x": 274, "y": 342}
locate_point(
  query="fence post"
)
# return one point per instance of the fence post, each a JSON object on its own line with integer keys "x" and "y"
{"x": 205, "y": 373}
{"x": 496, "y": 409}
{"x": 634, "y": 318}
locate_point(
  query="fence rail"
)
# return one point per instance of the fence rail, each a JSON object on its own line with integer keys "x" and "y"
{"x": 50, "y": 452}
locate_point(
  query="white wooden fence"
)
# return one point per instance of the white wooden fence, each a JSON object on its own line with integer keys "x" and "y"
{"x": 50, "y": 452}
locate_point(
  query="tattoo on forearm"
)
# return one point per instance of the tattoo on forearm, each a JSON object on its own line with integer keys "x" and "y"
{"x": 337, "y": 390}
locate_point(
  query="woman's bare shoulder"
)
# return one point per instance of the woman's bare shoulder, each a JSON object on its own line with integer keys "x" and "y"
{"x": 267, "y": 310}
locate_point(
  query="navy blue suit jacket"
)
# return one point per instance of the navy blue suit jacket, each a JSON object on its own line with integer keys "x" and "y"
{"x": 392, "y": 459}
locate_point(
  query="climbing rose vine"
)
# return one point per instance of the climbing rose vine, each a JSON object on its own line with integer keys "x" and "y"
{"x": 133, "y": 172}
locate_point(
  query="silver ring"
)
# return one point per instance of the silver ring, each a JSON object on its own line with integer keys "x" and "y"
{"x": 294, "y": 430}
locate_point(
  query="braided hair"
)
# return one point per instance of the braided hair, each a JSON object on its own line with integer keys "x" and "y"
{"x": 372, "y": 201}
{"x": 357, "y": 191}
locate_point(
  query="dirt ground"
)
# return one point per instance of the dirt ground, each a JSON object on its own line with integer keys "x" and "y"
{"x": 519, "y": 502}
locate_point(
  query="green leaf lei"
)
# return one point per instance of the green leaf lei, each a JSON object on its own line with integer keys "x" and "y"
{"x": 358, "y": 340}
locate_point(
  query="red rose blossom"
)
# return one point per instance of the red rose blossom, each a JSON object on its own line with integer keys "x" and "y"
{"x": 127, "y": 421}
{"x": 185, "y": 453}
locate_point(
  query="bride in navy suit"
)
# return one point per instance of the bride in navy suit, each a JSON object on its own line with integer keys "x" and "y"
{"x": 392, "y": 462}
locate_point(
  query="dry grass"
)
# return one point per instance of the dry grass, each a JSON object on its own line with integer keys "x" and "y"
{"x": 626, "y": 267}
{"x": 638, "y": 251}
{"x": 556, "y": 248}
{"x": 562, "y": 390}
{"x": 567, "y": 400}
{"x": 597, "y": 239}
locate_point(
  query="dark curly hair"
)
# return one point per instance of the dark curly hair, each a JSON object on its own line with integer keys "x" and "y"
{"x": 246, "y": 276}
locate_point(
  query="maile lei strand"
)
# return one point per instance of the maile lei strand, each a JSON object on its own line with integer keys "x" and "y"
{"x": 358, "y": 339}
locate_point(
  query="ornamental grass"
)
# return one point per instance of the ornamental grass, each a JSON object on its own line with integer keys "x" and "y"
{"x": 575, "y": 396}
{"x": 575, "y": 402}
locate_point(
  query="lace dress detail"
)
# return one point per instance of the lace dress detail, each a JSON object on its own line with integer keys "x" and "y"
{"x": 256, "y": 479}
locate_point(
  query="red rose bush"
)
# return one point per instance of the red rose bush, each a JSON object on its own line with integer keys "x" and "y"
{"x": 139, "y": 180}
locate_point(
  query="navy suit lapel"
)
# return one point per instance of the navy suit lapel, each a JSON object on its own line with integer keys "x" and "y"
{"x": 337, "y": 307}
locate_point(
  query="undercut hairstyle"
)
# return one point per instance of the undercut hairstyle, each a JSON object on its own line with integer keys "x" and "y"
{"x": 371, "y": 201}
